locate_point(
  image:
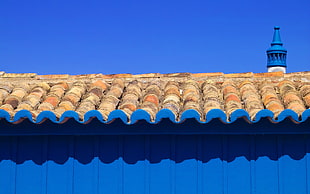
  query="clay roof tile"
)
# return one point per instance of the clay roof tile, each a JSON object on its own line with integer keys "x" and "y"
{"x": 152, "y": 92}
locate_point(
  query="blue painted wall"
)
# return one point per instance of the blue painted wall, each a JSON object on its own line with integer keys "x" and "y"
{"x": 153, "y": 163}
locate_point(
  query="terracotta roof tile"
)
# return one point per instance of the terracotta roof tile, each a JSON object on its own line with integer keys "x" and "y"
{"x": 59, "y": 76}
{"x": 150, "y": 101}
{"x": 231, "y": 97}
{"x": 116, "y": 76}
{"x": 18, "y": 75}
{"x": 148, "y": 75}
{"x": 177, "y": 75}
{"x": 171, "y": 98}
{"x": 242, "y": 75}
{"x": 131, "y": 97}
{"x": 110, "y": 100}
{"x": 86, "y": 76}
{"x": 191, "y": 96}
{"x": 211, "y": 97}
{"x": 270, "y": 74}
{"x": 270, "y": 98}
{"x": 207, "y": 74}
{"x": 251, "y": 98}
{"x": 290, "y": 96}
{"x": 307, "y": 100}
{"x": 177, "y": 92}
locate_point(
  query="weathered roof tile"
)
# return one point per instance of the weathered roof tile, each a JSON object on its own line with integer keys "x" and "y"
{"x": 270, "y": 74}
{"x": 177, "y": 92}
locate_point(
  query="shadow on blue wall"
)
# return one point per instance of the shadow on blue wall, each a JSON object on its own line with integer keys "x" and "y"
{"x": 163, "y": 158}
{"x": 154, "y": 143}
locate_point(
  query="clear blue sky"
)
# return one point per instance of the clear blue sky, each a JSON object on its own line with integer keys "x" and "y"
{"x": 81, "y": 37}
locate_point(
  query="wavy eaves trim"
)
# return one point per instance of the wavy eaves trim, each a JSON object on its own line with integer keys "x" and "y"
{"x": 164, "y": 113}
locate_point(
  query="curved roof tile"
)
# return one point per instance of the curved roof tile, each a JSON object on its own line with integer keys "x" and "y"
{"x": 153, "y": 97}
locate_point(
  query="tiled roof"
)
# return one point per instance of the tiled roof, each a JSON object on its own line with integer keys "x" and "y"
{"x": 178, "y": 96}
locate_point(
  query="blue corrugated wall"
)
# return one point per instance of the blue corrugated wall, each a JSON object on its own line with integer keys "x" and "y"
{"x": 201, "y": 163}
{"x": 161, "y": 158}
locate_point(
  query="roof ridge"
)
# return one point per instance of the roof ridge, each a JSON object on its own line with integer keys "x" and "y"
{"x": 153, "y": 75}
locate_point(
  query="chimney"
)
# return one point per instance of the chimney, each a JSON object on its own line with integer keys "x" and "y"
{"x": 276, "y": 54}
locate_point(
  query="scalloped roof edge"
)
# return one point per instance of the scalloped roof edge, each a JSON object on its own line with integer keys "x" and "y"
{"x": 162, "y": 114}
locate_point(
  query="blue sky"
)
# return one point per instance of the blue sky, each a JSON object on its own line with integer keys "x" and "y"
{"x": 82, "y": 37}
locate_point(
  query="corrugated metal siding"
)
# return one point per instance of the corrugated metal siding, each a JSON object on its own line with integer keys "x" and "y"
{"x": 155, "y": 164}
